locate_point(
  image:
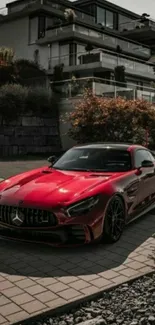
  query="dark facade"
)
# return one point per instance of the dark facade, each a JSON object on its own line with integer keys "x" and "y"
{"x": 114, "y": 36}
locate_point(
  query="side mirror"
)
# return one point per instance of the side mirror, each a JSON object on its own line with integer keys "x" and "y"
{"x": 51, "y": 159}
{"x": 147, "y": 164}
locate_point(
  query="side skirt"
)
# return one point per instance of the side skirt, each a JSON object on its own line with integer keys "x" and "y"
{"x": 151, "y": 207}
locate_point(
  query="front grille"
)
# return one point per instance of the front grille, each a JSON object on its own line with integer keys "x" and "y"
{"x": 26, "y": 217}
{"x": 76, "y": 234}
{"x": 25, "y": 235}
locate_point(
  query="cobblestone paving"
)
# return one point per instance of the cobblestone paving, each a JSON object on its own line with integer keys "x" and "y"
{"x": 35, "y": 278}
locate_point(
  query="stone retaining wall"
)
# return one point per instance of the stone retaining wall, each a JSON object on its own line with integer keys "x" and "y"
{"x": 29, "y": 135}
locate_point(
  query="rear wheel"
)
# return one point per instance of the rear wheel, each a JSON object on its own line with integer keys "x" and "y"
{"x": 114, "y": 220}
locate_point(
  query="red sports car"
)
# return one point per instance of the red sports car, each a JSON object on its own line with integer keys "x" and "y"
{"x": 91, "y": 192}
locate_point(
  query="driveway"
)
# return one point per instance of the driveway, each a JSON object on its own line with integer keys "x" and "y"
{"x": 35, "y": 278}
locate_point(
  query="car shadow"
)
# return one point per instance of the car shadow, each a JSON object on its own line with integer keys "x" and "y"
{"x": 34, "y": 260}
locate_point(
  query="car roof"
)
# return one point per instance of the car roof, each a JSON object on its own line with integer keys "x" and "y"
{"x": 109, "y": 145}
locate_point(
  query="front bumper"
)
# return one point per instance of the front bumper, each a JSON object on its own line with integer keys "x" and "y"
{"x": 60, "y": 236}
{"x": 52, "y": 228}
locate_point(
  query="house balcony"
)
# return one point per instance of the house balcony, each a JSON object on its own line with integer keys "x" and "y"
{"x": 74, "y": 88}
{"x": 99, "y": 39}
{"x": 139, "y": 31}
{"x": 102, "y": 61}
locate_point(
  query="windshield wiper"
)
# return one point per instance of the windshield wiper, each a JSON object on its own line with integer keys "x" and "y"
{"x": 81, "y": 169}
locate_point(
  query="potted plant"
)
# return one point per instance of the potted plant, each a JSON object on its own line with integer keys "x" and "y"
{"x": 119, "y": 73}
{"x": 69, "y": 15}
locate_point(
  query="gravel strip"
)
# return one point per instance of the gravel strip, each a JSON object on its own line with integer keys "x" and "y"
{"x": 128, "y": 304}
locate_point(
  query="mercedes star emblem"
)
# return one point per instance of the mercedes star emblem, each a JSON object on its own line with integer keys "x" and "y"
{"x": 17, "y": 218}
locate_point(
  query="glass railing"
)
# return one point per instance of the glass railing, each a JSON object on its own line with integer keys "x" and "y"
{"x": 132, "y": 25}
{"x": 127, "y": 63}
{"x": 3, "y": 11}
{"x": 108, "y": 59}
{"x": 106, "y": 40}
{"x": 102, "y": 87}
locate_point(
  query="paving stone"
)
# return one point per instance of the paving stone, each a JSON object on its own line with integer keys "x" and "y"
{"x": 25, "y": 283}
{"x": 18, "y": 316}
{"x": 9, "y": 309}
{"x": 11, "y": 292}
{"x": 69, "y": 294}
{"x": 79, "y": 284}
{"x": 22, "y": 299}
{"x": 46, "y": 296}
{"x": 2, "y": 320}
{"x": 35, "y": 289}
{"x": 100, "y": 282}
{"x": 4, "y": 300}
{"x": 5, "y": 285}
{"x": 57, "y": 287}
{"x": 33, "y": 307}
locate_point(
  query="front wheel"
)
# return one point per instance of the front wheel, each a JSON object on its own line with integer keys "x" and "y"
{"x": 114, "y": 220}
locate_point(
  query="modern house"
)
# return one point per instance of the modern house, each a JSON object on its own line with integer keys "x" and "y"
{"x": 92, "y": 43}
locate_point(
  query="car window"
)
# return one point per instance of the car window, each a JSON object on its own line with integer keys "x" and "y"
{"x": 142, "y": 155}
{"x": 108, "y": 160}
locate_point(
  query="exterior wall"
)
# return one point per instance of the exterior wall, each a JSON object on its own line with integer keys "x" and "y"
{"x": 16, "y": 34}
{"x": 29, "y": 135}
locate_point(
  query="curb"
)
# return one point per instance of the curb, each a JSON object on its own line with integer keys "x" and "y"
{"x": 54, "y": 312}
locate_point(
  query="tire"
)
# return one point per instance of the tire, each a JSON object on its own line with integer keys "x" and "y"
{"x": 114, "y": 221}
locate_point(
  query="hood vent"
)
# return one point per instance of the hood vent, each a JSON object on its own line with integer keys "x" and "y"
{"x": 99, "y": 175}
{"x": 47, "y": 171}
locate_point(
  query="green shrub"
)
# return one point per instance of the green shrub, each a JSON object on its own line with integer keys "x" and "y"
{"x": 38, "y": 101}
{"x": 12, "y": 101}
{"x": 16, "y": 100}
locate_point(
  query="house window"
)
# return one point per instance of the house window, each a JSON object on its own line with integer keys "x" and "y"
{"x": 105, "y": 17}
{"x": 72, "y": 53}
{"x": 101, "y": 16}
{"x": 41, "y": 26}
{"x": 64, "y": 53}
{"x": 33, "y": 30}
{"x": 124, "y": 22}
{"x": 109, "y": 19}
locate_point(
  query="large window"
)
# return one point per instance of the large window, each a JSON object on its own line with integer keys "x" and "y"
{"x": 105, "y": 17}
{"x": 33, "y": 30}
{"x": 41, "y": 26}
{"x": 68, "y": 53}
{"x": 124, "y": 21}
{"x": 64, "y": 53}
{"x": 101, "y": 16}
{"x": 72, "y": 53}
{"x": 109, "y": 19}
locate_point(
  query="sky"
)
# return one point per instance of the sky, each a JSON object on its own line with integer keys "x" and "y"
{"x": 138, "y": 6}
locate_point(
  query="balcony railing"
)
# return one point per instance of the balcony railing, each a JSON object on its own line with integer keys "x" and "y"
{"x": 106, "y": 40}
{"x": 101, "y": 87}
{"x": 108, "y": 60}
{"x": 130, "y": 64}
{"x": 136, "y": 24}
{"x": 3, "y": 11}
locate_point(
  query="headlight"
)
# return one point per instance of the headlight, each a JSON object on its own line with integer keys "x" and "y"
{"x": 82, "y": 207}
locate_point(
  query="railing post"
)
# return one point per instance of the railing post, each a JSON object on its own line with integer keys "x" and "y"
{"x": 93, "y": 88}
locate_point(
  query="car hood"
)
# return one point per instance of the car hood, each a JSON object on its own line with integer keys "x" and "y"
{"x": 51, "y": 187}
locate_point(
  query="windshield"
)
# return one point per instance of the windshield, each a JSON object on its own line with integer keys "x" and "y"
{"x": 94, "y": 159}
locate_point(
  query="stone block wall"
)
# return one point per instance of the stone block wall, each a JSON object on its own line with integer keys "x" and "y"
{"x": 29, "y": 135}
